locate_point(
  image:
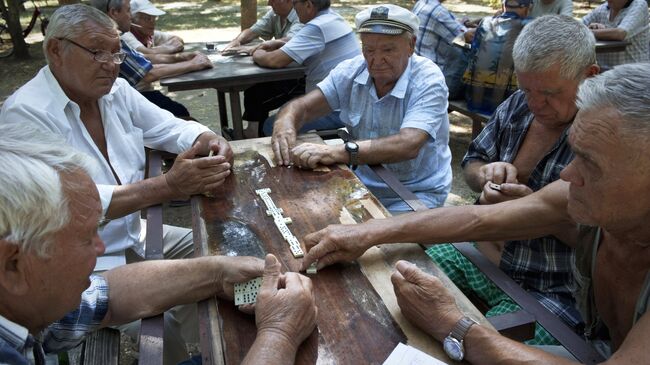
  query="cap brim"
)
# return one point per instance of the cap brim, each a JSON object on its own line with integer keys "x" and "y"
{"x": 383, "y": 27}
{"x": 153, "y": 11}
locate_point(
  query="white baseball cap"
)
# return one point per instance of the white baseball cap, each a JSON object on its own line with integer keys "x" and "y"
{"x": 145, "y": 6}
{"x": 386, "y": 19}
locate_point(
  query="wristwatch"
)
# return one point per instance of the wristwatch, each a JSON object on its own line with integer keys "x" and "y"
{"x": 453, "y": 343}
{"x": 352, "y": 147}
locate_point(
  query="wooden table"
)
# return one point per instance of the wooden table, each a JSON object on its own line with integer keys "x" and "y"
{"x": 359, "y": 321}
{"x": 232, "y": 75}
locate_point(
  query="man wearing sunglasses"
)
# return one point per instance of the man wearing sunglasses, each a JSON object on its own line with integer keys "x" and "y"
{"x": 79, "y": 96}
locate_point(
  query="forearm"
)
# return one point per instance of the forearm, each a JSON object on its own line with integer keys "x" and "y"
{"x": 486, "y": 346}
{"x": 399, "y": 147}
{"x": 245, "y": 36}
{"x": 269, "y": 348}
{"x": 149, "y": 288}
{"x": 610, "y": 34}
{"x": 162, "y": 70}
{"x": 271, "y": 59}
{"x": 535, "y": 215}
{"x": 129, "y": 198}
{"x": 473, "y": 177}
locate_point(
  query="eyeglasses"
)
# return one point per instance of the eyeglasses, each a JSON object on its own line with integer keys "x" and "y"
{"x": 100, "y": 56}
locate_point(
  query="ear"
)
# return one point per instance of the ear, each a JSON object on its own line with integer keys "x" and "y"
{"x": 55, "y": 51}
{"x": 13, "y": 276}
{"x": 592, "y": 70}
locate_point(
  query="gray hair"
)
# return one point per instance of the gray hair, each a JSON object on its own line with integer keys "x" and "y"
{"x": 625, "y": 89}
{"x": 321, "y": 4}
{"x": 70, "y": 21}
{"x": 555, "y": 39}
{"x": 33, "y": 202}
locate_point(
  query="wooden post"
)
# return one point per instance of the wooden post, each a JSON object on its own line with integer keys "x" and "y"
{"x": 248, "y": 13}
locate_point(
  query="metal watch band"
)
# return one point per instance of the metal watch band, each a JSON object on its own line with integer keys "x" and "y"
{"x": 461, "y": 327}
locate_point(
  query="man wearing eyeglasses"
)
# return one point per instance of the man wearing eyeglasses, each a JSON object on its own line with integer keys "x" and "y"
{"x": 141, "y": 71}
{"x": 79, "y": 96}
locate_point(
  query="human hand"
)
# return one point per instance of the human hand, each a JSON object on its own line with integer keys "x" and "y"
{"x": 335, "y": 243}
{"x": 506, "y": 191}
{"x": 236, "y": 269}
{"x": 498, "y": 173}
{"x": 309, "y": 155}
{"x": 175, "y": 44}
{"x": 190, "y": 175}
{"x": 424, "y": 301}
{"x": 220, "y": 147}
{"x": 270, "y": 45}
{"x": 286, "y": 308}
{"x": 201, "y": 61}
{"x": 233, "y": 44}
{"x": 283, "y": 141}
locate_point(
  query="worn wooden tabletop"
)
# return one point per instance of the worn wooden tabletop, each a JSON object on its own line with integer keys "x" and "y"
{"x": 359, "y": 321}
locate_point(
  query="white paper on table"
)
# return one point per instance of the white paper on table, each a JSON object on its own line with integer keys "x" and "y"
{"x": 407, "y": 355}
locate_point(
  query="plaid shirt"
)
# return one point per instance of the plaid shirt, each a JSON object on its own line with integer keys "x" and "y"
{"x": 543, "y": 264}
{"x": 438, "y": 29}
{"x": 135, "y": 65}
{"x": 633, "y": 19}
{"x": 19, "y": 347}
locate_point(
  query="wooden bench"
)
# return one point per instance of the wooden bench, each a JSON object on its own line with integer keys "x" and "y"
{"x": 103, "y": 346}
{"x": 518, "y": 325}
{"x": 478, "y": 119}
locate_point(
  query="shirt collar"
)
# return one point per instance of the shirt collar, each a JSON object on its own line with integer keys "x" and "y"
{"x": 14, "y": 334}
{"x": 399, "y": 90}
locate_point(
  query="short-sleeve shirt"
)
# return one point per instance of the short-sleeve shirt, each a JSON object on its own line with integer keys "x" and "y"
{"x": 418, "y": 100}
{"x": 270, "y": 26}
{"x": 633, "y": 19}
{"x": 19, "y": 347}
{"x": 541, "y": 264}
{"x": 558, "y": 7}
{"x": 490, "y": 75}
{"x": 135, "y": 67}
{"x": 130, "y": 122}
{"x": 438, "y": 29}
{"x": 320, "y": 45}
{"x": 158, "y": 39}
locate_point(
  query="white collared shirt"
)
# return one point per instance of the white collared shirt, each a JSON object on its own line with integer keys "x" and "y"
{"x": 130, "y": 123}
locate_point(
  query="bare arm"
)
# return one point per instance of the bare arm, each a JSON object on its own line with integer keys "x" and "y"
{"x": 244, "y": 37}
{"x": 291, "y": 118}
{"x": 159, "y": 58}
{"x": 173, "y": 45}
{"x": 167, "y": 283}
{"x": 271, "y": 59}
{"x": 607, "y": 34}
{"x": 198, "y": 62}
{"x": 535, "y": 215}
{"x": 402, "y": 146}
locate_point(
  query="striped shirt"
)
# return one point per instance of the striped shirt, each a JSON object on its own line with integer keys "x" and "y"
{"x": 543, "y": 264}
{"x": 19, "y": 347}
{"x": 633, "y": 19}
{"x": 135, "y": 65}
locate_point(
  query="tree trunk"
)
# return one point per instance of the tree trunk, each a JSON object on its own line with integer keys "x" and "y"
{"x": 11, "y": 13}
{"x": 248, "y": 13}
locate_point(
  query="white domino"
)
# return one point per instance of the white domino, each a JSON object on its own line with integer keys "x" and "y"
{"x": 281, "y": 222}
{"x": 246, "y": 293}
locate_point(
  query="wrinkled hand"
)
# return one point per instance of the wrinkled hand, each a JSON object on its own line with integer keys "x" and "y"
{"x": 201, "y": 61}
{"x": 499, "y": 173}
{"x": 282, "y": 141}
{"x": 285, "y": 308}
{"x": 335, "y": 243}
{"x": 508, "y": 191}
{"x": 236, "y": 269}
{"x": 309, "y": 155}
{"x": 270, "y": 45}
{"x": 221, "y": 147}
{"x": 175, "y": 44}
{"x": 190, "y": 175}
{"x": 597, "y": 26}
{"x": 424, "y": 301}
{"x": 233, "y": 44}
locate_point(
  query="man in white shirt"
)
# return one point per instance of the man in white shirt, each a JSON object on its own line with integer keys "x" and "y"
{"x": 144, "y": 37}
{"x": 79, "y": 96}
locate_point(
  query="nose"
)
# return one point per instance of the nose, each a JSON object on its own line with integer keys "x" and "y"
{"x": 535, "y": 101}
{"x": 100, "y": 247}
{"x": 570, "y": 174}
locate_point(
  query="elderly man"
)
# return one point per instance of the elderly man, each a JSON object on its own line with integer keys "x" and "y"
{"x": 279, "y": 23}
{"x": 325, "y": 41}
{"x": 621, "y": 20}
{"x": 606, "y": 193}
{"x": 144, "y": 37}
{"x": 490, "y": 77}
{"x": 522, "y": 149}
{"x": 49, "y": 214}
{"x": 141, "y": 71}
{"x": 437, "y": 32}
{"x": 81, "y": 98}
{"x": 393, "y": 102}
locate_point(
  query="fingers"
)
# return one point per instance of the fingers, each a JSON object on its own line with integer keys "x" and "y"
{"x": 282, "y": 150}
{"x": 190, "y": 153}
{"x": 510, "y": 174}
{"x": 271, "y": 275}
{"x": 410, "y": 272}
{"x": 518, "y": 190}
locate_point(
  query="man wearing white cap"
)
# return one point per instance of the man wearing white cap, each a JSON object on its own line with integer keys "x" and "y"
{"x": 143, "y": 36}
{"x": 393, "y": 102}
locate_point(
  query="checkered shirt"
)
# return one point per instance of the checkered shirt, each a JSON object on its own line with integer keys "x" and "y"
{"x": 633, "y": 18}
{"x": 542, "y": 264}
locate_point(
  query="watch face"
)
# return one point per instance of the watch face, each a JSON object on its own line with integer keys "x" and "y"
{"x": 351, "y": 146}
{"x": 453, "y": 348}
